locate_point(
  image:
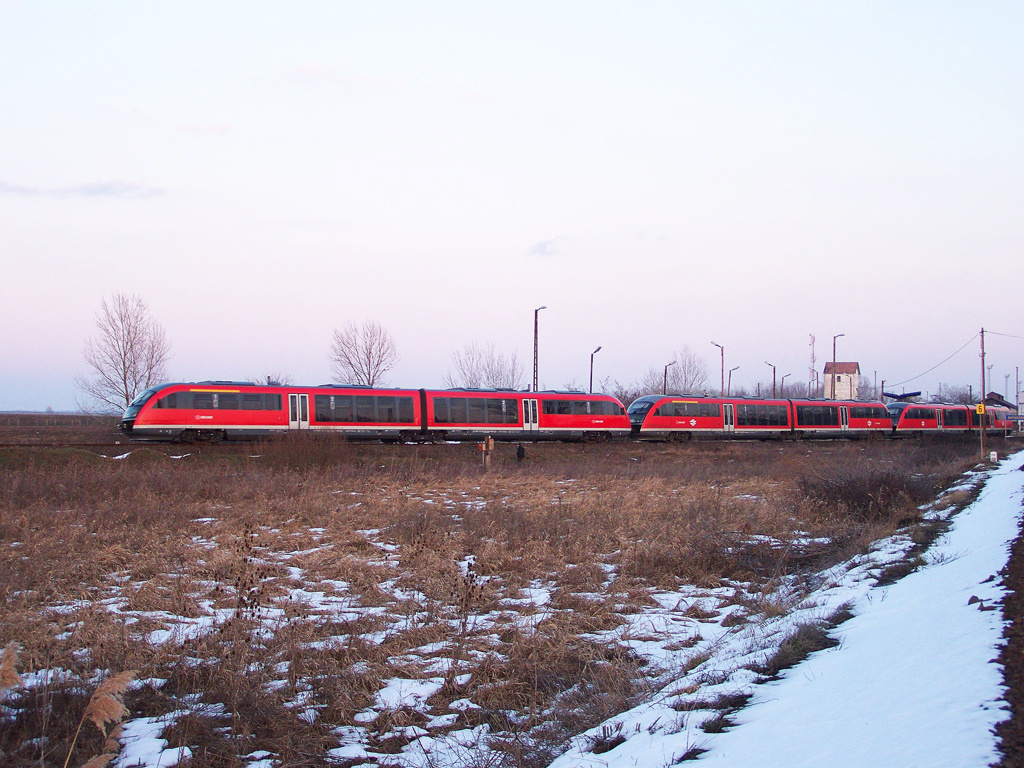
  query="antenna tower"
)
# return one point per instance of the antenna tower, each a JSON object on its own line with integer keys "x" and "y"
{"x": 812, "y": 373}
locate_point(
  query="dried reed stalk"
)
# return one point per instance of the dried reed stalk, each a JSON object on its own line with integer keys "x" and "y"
{"x": 9, "y": 677}
{"x": 107, "y": 703}
{"x": 105, "y": 706}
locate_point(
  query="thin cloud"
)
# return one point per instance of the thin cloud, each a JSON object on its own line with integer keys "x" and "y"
{"x": 544, "y": 249}
{"x": 120, "y": 190}
{"x": 215, "y": 129}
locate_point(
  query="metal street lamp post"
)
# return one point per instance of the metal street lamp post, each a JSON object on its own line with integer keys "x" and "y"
{"x": 723, "y": 367}
{"x": 782, "y": 385}
{"x": 592, "y": 369}
{"x": 773, "y": 377}
{"x": 834, "y": 363}
{"x": 664, "y": 386}
{"x": 535, "y": 313}
{"x": 728, "y": 390}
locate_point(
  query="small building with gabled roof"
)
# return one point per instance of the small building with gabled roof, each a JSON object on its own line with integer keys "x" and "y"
{"x": 844, "y": 377}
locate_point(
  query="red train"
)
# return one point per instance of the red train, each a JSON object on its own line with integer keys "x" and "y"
{"x": 216, "y": 410}
{"x": 931, "y": 418}
{"x": 681, "y": 417}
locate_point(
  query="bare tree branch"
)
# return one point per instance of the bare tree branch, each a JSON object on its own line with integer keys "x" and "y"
{"x": 476, "y": 366}
{"x": 272, "y": 377}
{"x": 362, "y": 354}
{"x": 687, "y": 374}
{"x": 129, "y": 354}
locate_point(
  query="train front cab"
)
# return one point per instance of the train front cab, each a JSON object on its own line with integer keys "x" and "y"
{"x": 679, "y": 417}
{"x": 930, "y": 418}
{"x": 683, "y": 417}
{"x": 127, "y": 424}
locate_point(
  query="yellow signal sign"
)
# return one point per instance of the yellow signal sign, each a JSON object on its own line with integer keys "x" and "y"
{"x": 980, "y": 408}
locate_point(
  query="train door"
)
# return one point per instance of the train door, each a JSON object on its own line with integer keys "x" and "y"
{"x": 298, "y": 411}
{"x": 940, "y": 420}
{"x": 729, "y": 413}
{"x": 530, "y": 416}
{"x": 844, "y": 418}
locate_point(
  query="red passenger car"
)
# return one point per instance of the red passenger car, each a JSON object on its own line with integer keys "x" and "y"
{"x": 469, "y": 413}
{"x": 216, "y": 410}
{"x": 843, "y": 418}
{"x": 681, "y": 417}
{"x": 996, "y": 419}
{"x": 676, "y": 417}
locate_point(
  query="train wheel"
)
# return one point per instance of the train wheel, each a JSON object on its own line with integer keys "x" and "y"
{"x": 217, "y": 436}
{"x": 187, "y": 436}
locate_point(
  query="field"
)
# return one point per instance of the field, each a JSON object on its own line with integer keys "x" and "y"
{"x": 312, "y": 602}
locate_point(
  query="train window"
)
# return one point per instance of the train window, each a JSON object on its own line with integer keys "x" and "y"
{"x": 713, "y": 410}
{"x": 387, "y": 410}
{"x": 142, "y": 398}
{"x": 495, "y": 414}
{"x": 330, "y": 408}
{"x": 167, "y": 401}
{"x": 638, "y": 407}
{"x": 920, "y": 413}
{"x": 405, "y": 410}
{"x": 547, "y": 407}
{"x": 322, "y": 407}
{"x": 252, "y": 401}
{"x": 477, "y": 407}
{"x": 272, "y": 402}
{"x": 441, "y": 410}
{"x": 457, "y": 406}
{"x": 746, "y": 415}
{"x": 761, "y": 415}
{"x": 511, "y": 411}
{"x": 868, "y": 412}
{"x": 580, "y": 407}
{"x": 202, "y": 401}
{"x": 564, "y": 407}
{"x": 228, "y": 401}
{"x": 366, "y": 408}
{"x": 817, "y": 415}
{"x": 344, "y": 408}
{"x": 860, "y": 412}
{"x": 955, "y": 418}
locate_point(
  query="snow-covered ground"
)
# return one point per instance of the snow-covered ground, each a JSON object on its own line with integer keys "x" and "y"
{"x": 912, "y": 682}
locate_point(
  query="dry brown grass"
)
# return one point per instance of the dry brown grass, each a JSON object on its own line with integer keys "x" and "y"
{"x": 400, "y": 548}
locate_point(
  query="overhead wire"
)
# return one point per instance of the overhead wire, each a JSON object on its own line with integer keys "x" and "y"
{"x": 913, "y": 378}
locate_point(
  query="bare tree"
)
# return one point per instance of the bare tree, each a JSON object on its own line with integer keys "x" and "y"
{"x": 363, "y": 354}
{"x": 685, "y": 373}
{"x": 955, "y": 393}
{"x": 128, "y": 356}
{"x": 690, "y": 372}
{"x": 476, "y": 366}
{"x": 272, "y": 378}
{"x": 626, "y": 393}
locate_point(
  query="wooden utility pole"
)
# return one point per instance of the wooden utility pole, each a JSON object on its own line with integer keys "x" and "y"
{"x": 982, "y": 416}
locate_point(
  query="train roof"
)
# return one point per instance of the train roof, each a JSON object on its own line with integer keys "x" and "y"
{"x": 761, "y": 399}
